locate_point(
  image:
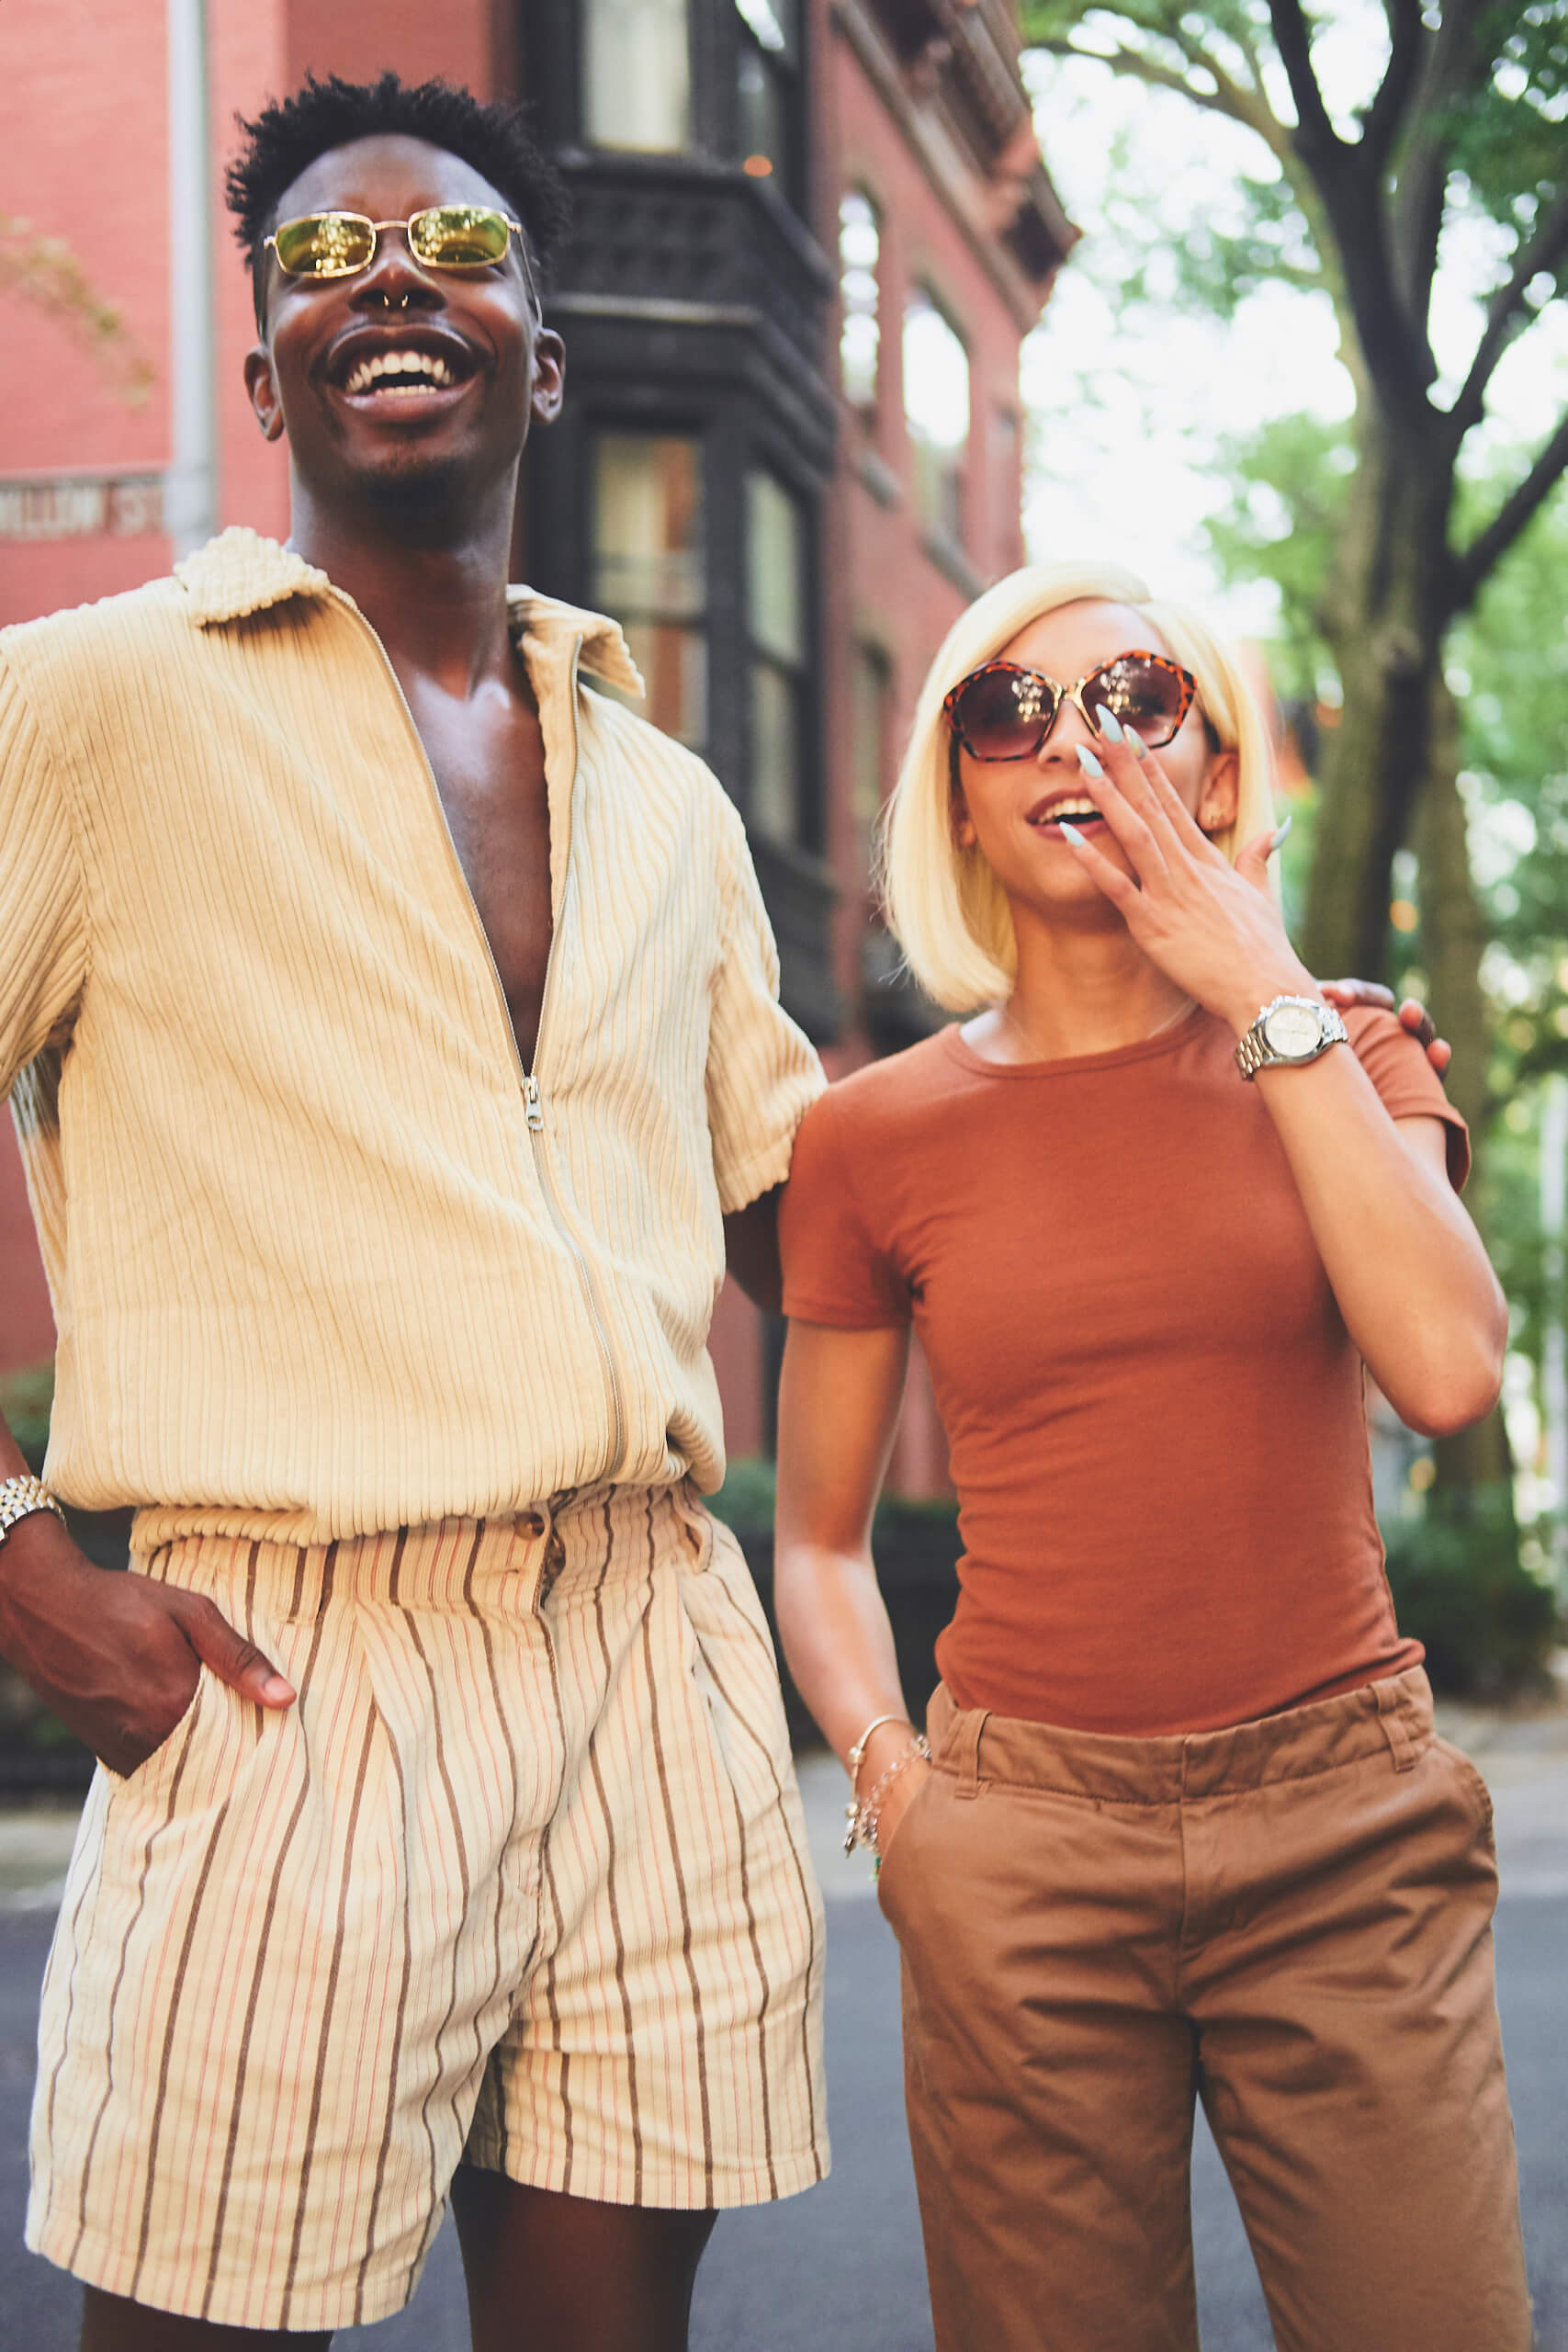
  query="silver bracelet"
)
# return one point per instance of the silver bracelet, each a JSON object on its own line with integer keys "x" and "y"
{"x": 865, "y": 1819}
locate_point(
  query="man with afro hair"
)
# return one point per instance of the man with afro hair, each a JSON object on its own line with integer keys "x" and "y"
{"x": 392, "y": 1028}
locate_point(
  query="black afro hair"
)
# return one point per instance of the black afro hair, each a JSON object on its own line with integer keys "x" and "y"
{"x": 288, "y": 134}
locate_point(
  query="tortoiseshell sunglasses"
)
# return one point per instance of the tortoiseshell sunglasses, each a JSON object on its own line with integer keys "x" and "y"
{"x": 1003, "y": 712}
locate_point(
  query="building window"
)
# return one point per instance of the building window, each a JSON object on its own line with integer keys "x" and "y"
{"x": 777, "y": 624}
{"x": 871, "y": 693}
{"x": 860, "y": 332}
{"x": 767, "y": 89}
{"x": 638, "y": 76}
{"x": 936, "y": 407}
{"x": 649, "y": 569}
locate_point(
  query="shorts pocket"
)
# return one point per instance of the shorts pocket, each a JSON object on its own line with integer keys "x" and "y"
{"x": 1479, "y": 1795}
{"x": 152, "y": 1767}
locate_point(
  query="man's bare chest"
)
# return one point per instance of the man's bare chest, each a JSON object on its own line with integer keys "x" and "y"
{"x": 489, "y": 767}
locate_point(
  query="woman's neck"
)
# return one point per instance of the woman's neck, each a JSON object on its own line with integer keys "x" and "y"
{"x": 1078, "y": 992}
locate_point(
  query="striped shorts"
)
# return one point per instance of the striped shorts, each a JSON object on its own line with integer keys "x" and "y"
{"x": 521, "y": 1879}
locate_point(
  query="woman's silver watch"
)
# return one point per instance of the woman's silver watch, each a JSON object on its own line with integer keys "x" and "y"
{"x": 19, "y": 1498}
{"x": 1289, "y": 1031}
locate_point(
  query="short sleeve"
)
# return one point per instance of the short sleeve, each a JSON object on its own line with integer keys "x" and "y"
{"x": 1407, "y": 1085}
{"x": 43, "y": 933}
{"x": 762, "y": 1071}
{"x": 834, "y": 1270}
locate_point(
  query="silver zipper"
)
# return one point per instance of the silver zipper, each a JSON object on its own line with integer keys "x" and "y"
{"x": 527, "y": 1080}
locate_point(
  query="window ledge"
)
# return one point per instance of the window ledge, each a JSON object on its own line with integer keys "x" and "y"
{"x": 950, "y": 558}
{"x": 877, "y": 476}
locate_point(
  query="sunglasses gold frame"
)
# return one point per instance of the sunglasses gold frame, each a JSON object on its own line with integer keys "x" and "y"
{"x": 409, "y": 228}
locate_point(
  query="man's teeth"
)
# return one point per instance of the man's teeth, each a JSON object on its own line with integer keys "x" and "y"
{"x": 1071, "y": 809}
{"x": 427, "y": 371}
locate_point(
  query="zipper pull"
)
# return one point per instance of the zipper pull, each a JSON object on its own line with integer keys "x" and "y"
{"x": 532, "y": 1108}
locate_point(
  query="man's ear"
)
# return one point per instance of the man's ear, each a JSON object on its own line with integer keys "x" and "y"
{"x": 261, "y": 386}
{"x": 1221, "y": 795}
{"x": 549, "y": 376}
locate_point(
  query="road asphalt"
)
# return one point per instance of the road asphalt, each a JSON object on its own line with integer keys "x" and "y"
{"x": 840, "y": 2267}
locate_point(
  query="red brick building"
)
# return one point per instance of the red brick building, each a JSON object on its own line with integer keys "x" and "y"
{"x": 810, "y": 235}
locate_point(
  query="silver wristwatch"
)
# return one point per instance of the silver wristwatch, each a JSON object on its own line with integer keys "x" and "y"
{"x": 1289, "y": 1031}
{"x": 19, "y": 1498}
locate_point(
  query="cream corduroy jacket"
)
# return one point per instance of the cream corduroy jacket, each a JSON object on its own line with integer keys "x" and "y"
{"x": 324, "y": 1257}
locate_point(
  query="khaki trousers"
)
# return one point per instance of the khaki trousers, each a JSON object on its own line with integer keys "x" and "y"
{"x": 1291, "y": 1920}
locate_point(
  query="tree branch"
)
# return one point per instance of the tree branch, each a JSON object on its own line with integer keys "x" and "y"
{"x": 1228, "y": 97}
{"x": 1475, "y": 565}
{"x": 1454, "y": 64}
{"x": 1385, "y": 117}
{"x": 1505, "y": 312}
{"x": 1314, "y": 134}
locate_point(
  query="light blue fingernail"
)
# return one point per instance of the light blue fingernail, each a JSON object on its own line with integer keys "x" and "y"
{"x": 1109, "y": 724}
{"x": 1134, "y": 744}
{"x": 1071, "y": 831}
{"x": 1281, "y": 830}
{"x": 1089, "y": 764}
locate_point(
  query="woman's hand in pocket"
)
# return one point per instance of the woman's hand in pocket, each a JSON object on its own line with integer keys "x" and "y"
{"x": 898, "y": 1800}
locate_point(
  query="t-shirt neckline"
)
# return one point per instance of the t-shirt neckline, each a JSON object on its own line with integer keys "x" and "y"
{"x": 1164, "y": 1040}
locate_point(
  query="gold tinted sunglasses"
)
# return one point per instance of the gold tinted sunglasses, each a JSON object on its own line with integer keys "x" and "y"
{"x": 442, "y": 236}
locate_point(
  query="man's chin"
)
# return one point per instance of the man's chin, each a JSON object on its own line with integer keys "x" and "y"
{"x": 416, "y": 492}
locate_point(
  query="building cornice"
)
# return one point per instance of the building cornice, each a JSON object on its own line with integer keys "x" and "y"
{"x": 950, "y": 83}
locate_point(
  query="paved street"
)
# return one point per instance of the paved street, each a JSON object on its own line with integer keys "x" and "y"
{"x": 840, "y": 2267}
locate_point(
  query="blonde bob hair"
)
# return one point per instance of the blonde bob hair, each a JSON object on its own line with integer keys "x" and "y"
{"x": 944, "y": 905}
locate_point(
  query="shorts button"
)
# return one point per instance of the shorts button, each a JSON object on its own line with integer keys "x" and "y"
{"x": 530, "y": 1522}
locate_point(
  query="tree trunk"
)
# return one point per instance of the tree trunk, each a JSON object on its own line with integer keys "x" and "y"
{"x": 1453, "y": 934}
{"x": 1384, "y": 619}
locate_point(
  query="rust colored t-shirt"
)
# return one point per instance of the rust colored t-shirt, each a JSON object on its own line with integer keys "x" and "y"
{"x": 1156, "y": 1417}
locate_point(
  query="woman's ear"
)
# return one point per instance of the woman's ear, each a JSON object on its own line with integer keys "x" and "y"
{"x": 1221, "y": 795}
{"x": 963, "y": 823}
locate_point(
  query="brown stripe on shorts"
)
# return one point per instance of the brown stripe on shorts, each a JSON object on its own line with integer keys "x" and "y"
{"x": 812, "y": 1958}
{"x": 756, "y": 1942}
{"x": 488, "y": 1643}
{"x": 95, "y": 1881}
{"x": 674, "y": 1837}
{"x": 610, "y": 1873}
{"x": 372, "y": 1719}
{"x": 394, "y": 2064}
{"x": 258, "y": 1971}
{"x": 153, "y": 1837}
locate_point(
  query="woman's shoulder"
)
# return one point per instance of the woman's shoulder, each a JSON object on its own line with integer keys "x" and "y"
{"x": 894, "y": 1092}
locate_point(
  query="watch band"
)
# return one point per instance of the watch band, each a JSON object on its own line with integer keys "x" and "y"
{"x": 1253, "y": 1052}
{"x": 19, "y": 1498}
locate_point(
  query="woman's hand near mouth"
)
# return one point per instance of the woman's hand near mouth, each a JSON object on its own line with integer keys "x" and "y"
{"x": 1210, "y": 927}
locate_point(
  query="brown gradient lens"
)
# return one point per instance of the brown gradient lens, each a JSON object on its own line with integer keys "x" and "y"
{"x": 1002, "y": 712}
{"x": 1143, "y": 690}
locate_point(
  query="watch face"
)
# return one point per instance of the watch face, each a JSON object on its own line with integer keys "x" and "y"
{"x": 1293, "y": 1030}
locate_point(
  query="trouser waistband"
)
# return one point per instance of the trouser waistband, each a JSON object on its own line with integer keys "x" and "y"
{"x": 1393, "y": 1715}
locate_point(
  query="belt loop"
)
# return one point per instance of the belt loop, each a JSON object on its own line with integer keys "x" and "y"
{"x": 967, "y": 1748}
{"x": 1395, "y": 1730}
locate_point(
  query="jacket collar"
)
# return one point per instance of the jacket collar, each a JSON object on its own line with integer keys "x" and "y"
{"x": 240, "y": 572}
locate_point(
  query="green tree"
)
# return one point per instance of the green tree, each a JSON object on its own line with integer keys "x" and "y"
{"x": 1464, "y": 128}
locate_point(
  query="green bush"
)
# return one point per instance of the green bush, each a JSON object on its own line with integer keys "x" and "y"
{"x": 1488, "y": 1621}
{"x": 25, "y": 1400}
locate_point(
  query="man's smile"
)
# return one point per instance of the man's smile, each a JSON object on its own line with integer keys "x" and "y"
{"x": 408, "y": 368}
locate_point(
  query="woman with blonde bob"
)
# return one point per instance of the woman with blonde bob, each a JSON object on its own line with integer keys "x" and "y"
{"x": 1181, "y": 1828}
